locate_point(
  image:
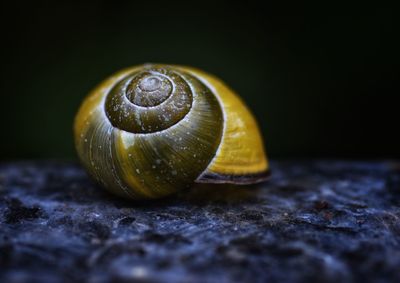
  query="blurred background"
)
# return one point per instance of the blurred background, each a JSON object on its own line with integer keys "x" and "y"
{"x": 320, "y": 86}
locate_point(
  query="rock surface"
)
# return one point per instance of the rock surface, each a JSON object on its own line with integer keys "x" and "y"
{"x": 312, "y": 222}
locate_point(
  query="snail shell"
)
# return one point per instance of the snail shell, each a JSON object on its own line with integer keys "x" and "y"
{"x": 152, "y": 130}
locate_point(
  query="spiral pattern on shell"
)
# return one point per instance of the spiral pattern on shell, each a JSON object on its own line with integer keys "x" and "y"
{"x": 149, "y": 132}
{"x": 149, "y": 101}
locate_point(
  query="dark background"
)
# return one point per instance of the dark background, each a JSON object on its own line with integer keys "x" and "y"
{"x": 320, "y": 85}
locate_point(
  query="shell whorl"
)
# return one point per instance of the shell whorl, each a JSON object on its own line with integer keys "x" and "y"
{"x": 149, "y": 101}
{"x": 149, "y": 132}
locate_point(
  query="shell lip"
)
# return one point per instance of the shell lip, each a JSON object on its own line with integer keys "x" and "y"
{"x": 245, "y": 179}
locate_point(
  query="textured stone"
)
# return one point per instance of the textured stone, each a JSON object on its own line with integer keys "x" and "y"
{"x": 312, "y": 222}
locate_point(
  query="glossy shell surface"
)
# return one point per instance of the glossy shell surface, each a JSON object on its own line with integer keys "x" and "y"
{"x": 151, "y": 130}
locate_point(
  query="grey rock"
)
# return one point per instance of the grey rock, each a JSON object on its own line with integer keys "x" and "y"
{"x": 321, "y": 221}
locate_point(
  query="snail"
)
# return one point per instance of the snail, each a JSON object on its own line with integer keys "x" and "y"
{"x": 151, "y": 130}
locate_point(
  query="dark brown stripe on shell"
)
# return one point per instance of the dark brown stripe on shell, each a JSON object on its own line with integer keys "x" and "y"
{"x": 215, "y": 178}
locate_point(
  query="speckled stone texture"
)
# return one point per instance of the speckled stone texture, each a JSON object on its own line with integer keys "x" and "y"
{"x": 312, "y": 222}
